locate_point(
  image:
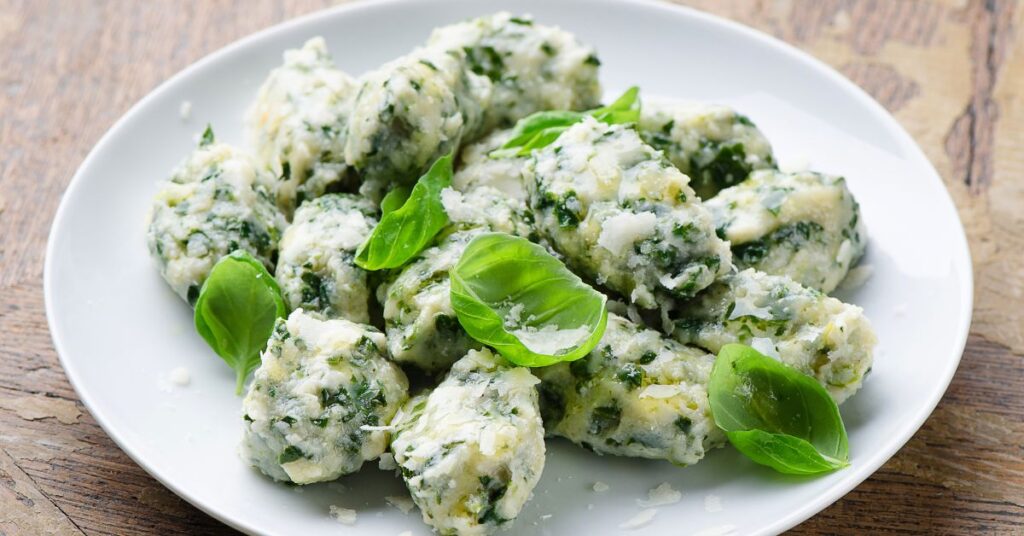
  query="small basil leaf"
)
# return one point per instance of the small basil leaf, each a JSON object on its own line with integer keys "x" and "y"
{"x": 541, "y": 129}
{"x": 512, "y": 295}
{"x": 405, "y": 231}
{"x": 207, "y": 137}
{"x": 394, "y": 199}
{"x": 784, "y": 453}
{"x": 236, "y": 310}
{"x": 625, "y": 109}
{"x": 751, "y": 392}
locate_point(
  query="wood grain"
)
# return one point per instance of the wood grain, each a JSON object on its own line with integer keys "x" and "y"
{"x": 952, "y": 71}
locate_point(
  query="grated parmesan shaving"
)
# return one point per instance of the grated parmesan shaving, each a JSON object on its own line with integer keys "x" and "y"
{"x": 621, "y": 231}
{"x": 550, "y": 340}
{"x": 403, "y": 503}
{"x": 386, "y": 462}
{"x": 766, "y": 347}
{"x": 345, "y": 516}
{"x": 660, "y": 496}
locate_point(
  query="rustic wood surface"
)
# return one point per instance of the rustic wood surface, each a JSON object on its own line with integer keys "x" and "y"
{"x": 952, "y": 71}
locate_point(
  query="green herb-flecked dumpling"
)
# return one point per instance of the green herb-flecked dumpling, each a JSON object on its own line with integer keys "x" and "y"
{"x": 298, "y": 122}
{"x": 637, "y": 394}
{"x": 218, "y": 200}
{"x": 320, "y": 401}
{"x": 472, "y": 450}
{"x": 316, "y": 265}
{"x": 469, "y": 78}
{"x": 410, "y": 112}
{"x": 803, "y": 225}
{"x": 818, "y": 335}
{"x": 531, "y": 67}
{"x": 712, "y": 144}
{"x": 418, "y": 316}
{"x": 622, "y": 215}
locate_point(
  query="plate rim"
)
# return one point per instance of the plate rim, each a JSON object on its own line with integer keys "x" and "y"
{"x": 869, "y": 466}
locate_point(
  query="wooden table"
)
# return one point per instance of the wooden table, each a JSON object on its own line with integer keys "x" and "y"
{"x": 952, "y": 71}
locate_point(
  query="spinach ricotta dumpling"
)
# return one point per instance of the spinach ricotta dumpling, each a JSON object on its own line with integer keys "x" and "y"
{"x": 803, "y": 225}
{"x": 637, "y": 394}
{"x": 623, "y": 215}
{"x": 298, "y": 122}
{"x": 321, "y": 399}
{"x": 815, "y": 334}
{"x": 418, "y": 316}
{"x": 472, "y": 450}
{"x": 215, "y": 202}
{"x": 713, "y": 144}
{"x": 469, "y": 78}
{"x": 530, "y": 67}
{"x": 316, "y": 266}
{"x": 410, "y": 112}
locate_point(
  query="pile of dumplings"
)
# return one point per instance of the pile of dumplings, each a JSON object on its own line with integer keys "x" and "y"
{"x": 683, "y": 218}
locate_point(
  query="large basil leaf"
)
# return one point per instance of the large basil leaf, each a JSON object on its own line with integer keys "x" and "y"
{"x": 394, "y": 199}
{"x": 403, "y": 232}
{"x": 236, "y": 310}
{"x": 776, "y": 415}
{"x": 543, "y": 128}
{"x": 512, "y": 295}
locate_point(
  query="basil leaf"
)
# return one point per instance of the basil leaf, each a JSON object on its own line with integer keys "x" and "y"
{"x": 512, "y": 295}
{"x": 784, "y": 453}
{"x": 774, "y": 414}
{"x": 207, "y": 137}
{"x": 625, "y": 109}
{"x": 394, "y": 199}
{"x": 543, "y": 128}
{"x": 404, "y": 232}
{"x": 236, "y": 310}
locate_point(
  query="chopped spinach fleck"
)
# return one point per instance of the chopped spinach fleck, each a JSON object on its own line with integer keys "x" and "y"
{"x": 605, "y": 419}
{"x": 794, "y": 236}
{"x": 631, "y": 375}
{"x": 290, "y": 454}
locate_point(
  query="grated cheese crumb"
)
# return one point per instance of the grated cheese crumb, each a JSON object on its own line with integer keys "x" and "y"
{"x": 660, "y": 496}
{"x": 386, "y": 462}
{"x": 766, "y": 347}
{"x": 658, "y": 391}
{"x": 185, "y": 110}
{"x": 180, "y": 377}
{"x": 600, "y": 487}
{"x": 639, "y": 520}
{"x": 345, "y": 516}
{"x": 621, "y": 231}
{"x": 404, "y": 504}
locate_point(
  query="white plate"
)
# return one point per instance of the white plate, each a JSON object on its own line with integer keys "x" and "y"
{"x": 119, "y": 330}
